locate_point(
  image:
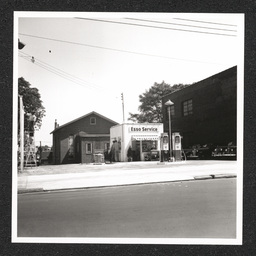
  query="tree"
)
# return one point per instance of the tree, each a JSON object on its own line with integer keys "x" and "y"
{"x": 151, "y": 103}
{"x": 32, "y": 103}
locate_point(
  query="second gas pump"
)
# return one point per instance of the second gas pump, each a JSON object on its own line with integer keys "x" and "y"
{"x": 176, "y": 146}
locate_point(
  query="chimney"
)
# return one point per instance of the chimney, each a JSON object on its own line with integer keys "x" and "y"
{"x": 55, "y": 124}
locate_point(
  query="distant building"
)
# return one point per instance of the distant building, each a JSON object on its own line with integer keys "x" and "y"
{"x": 205, "y": 112}
{"x": 79, "y": 140}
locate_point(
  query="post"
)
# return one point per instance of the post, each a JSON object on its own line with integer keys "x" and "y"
{"x": 160, "y": 150}
{"x": 122, "y": 96}
{"x": 21, "y": 46}
{"x": 21, "y": 135}
{"x": 169, "y": 103}
{"x": 123, "y": 153}
{"x": 141, "y": 155}
{"x": 40, "y": 153}
{"x": 170, "y": 130}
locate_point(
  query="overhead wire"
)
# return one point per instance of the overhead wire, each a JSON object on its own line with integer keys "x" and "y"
{"x": 208, "y": 22}
{"x": 36, "y": 62}
{"x": 117, "y": 50}
{"x": 62, "y": 74}
{"x": 52, "y": 71}
{"x": 184, "y": 25}
{"x": 156, "y": 27}
{"x": 79, "y": 81}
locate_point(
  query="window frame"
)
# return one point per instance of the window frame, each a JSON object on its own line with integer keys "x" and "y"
{"x": 88, "y": 152}
{"x": 187, "y": 107}
{"x": 93, "y": 118}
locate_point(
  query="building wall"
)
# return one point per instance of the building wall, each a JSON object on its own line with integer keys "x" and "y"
{"x": 214, "y": 102}
{"x": 124, "y": 133}
{"x": 61, "y": 137}
{"x": 116, "y": 133}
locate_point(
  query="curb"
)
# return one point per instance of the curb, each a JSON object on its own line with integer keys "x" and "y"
{"x": 215, "y": 176}
{"x": 202, "y": 177}
{"x": 24, "y": 191}
{"x": 30, "y": 190}
{"x": 219, "y": 176}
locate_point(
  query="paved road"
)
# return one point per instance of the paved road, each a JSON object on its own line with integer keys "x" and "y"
{"x": 192, "y": 209}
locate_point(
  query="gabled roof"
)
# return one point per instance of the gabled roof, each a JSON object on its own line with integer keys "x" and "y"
{"x": 77, "y": 119}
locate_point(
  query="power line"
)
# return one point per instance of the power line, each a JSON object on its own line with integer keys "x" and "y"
{"x": 185, "y": 25}
{"x": 64, "y": 74}
{"x": 54, "y": 72}
{"x": 117, "y": 50}
{"x": 37, "y": 63}
{"x": 206, "y": 22}
{"x": 60, "y": 73}
{"x": 148, "y": 26}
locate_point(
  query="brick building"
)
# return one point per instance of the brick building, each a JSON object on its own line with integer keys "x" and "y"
{"x": 77, "y": 141}
{"x": 205, "y": 112}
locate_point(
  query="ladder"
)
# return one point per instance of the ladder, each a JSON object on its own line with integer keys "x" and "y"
{"x": 30, "y": 156}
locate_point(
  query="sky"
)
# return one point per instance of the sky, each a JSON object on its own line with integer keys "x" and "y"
{"x": 82, "y": 62}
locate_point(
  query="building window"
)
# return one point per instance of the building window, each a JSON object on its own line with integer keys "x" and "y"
{"x": 148, "y": 145}
{"x": 92, "y": 120}
{"x": 88, "y": 148}
{"x": 187, "y": 107}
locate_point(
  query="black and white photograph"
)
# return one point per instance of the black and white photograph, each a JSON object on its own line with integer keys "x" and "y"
{"x": 128, "y": 128}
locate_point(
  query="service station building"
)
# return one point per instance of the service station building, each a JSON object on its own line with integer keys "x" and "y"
{"x": 143, "y": 138}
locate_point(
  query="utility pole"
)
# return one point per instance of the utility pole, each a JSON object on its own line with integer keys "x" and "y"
{"x": 21, "y": 134}
{"x": 21, "y": 46}
{"x": 40, "y": 151}
{"x": 122, "y": 144}
{"x": 122, "y": 97}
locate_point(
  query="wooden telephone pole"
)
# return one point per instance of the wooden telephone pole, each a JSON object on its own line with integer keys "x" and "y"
{"x": 122, "y": 97}
{"x": 21, "y": 134}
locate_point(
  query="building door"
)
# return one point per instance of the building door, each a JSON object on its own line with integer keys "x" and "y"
{"x": 136, "y": 150}
{"x": 87, "y": 152}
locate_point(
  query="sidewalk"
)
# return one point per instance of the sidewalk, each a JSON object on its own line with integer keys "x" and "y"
{"x": 74, "y": 176}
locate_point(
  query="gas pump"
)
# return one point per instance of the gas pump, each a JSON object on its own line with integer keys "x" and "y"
{"x": 164, "y": 147}
{"x": 176, "y": 145}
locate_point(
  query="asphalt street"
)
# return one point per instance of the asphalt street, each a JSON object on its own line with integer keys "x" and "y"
{"x": 187, "y": 209}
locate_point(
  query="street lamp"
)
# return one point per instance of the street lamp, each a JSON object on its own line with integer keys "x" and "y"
{"x": 169, "y": 103}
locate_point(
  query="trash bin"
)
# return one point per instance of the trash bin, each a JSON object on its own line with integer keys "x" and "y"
{"x": 154, "y": 155}
{"x": 98, "y": 158}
